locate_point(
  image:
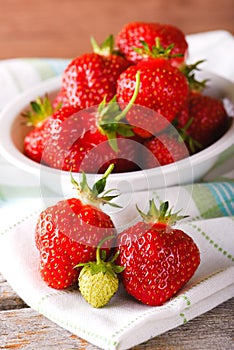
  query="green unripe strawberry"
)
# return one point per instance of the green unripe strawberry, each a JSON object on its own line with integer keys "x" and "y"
{"x": 98, "y": 288}
{"x": 98, "y": 280}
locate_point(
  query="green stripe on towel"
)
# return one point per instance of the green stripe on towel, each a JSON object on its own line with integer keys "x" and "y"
{"x": 214, "y": 199}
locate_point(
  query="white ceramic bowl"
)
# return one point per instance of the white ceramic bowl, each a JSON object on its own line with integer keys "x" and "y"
{"x": 189, "y": 170}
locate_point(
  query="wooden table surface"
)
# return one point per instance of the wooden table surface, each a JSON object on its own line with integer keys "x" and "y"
{"x": 62, "y": 29}
{"x": 23, "y": 328}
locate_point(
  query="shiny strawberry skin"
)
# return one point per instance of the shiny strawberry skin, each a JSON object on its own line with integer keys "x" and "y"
{"x": 36, "y": 140}
{"x": 163, "y": 90}
{"x": 78, "y": 144}
{"x": 209, "y": 119}
{"x": 158, "y": 261}
{"x": 67, "y": 234}
{"x": 34, "y": 143}
{"x": 130, "y": 36}
{"x": 90, "y": 77}
{"x": 169, "y": 34}
{"x": 164, "y": 149}
{"x": 60, "y": 99}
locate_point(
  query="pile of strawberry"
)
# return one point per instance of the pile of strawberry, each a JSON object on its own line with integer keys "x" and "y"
{"x": 127, "y": 103}
{"x": 78, "y": 244}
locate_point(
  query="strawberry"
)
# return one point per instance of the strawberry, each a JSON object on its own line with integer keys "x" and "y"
{"x": 160, "y": 38}
{"x": 163, "y": 90}
{"x": 36, "y": 117}
{"x": 68, "y": 233}
{"x": 158, "y": 259}
{"x": 164, "y": 149}
{"x": 35, "y": 141}
{"x": 60, "y": 99}
{"x": 98, "y": 280}
{"x": 92, "y": 139}
{"x": 92, "y": 76}
{"x": 202, "y": 121}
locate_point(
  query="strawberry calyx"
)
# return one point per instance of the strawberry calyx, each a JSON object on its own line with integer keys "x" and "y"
{"x": 163, "y": 215}
{"x": 95, "y": 195}
{"x": 156, "y": 51}
{"x": 184, "y": 136}
{"x": 101, "y": 265}
{"x": 110, "y": 116}
{"x": 41, "y": 109}
{"x": 189, "y": 71}
{"x": 106, "y": 48}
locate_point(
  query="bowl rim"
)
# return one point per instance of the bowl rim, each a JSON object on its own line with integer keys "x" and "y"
{"x": 10, "y": 152}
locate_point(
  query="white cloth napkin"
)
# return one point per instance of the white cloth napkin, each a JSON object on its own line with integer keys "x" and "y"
{"x": 216, "y": 48}
{"x": 123, "y": 323}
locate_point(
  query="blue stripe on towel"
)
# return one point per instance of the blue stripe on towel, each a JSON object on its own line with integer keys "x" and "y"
{"x": 223, "y": 194}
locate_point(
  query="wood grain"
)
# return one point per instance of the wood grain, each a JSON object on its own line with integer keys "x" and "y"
{"x": 8, "y": 298}
{"x": 63, "y": 28}
{"x": 23, "y": 328}
{"x": 26, "y": 329}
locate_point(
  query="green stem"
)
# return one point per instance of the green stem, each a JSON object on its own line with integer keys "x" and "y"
{"x": 108, "y": 171}
{"x": 131, "y": 102}
{"x": 98, "y": 258}
{"x": 115, "y": 257}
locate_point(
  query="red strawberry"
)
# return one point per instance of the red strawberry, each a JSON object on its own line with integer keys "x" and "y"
{"x": 34, "y": 143}
{"x": 203, "y": 121}
{"x": 92, "y": 76}
{"x": 68, "y": 233}
{"x": 92, "y": 139}
{"x": 163, "y": 89}
{"x": 158, "y": 259}
{"x": 61, "y": 99}
{"x": 41, "y": 110}
{"x": 36, "y": 140}
{"x": 134, "y": 35}
{"x": 164, "y": 149}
